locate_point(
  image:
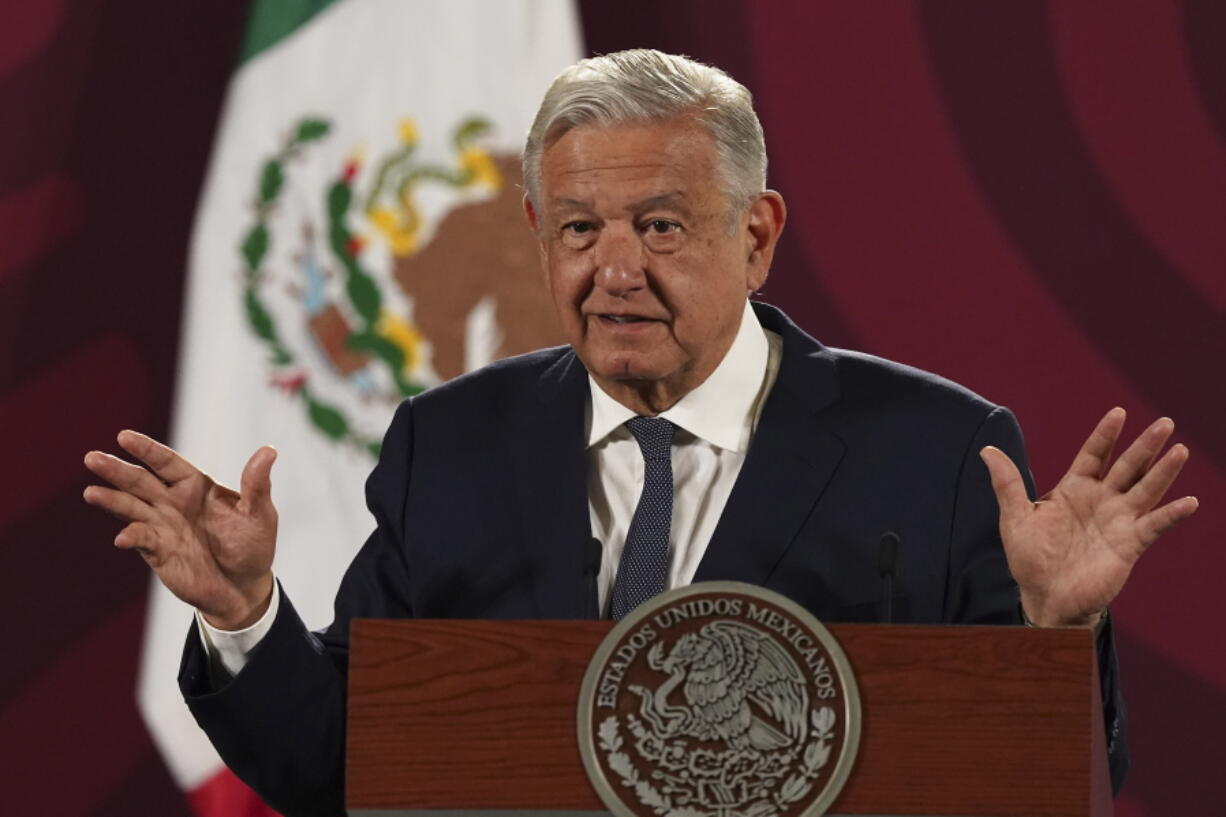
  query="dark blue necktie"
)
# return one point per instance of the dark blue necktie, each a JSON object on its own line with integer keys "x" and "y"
{"x": 643, "y": 569}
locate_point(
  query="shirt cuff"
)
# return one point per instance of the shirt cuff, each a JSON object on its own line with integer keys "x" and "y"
{"x": 1099, "y": 625}
{"x": 228, "y": 650}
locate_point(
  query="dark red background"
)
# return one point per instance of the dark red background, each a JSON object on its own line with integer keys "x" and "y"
{"x": 1027, "y": 197}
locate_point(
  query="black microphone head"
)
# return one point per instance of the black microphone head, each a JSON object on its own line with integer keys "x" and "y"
{"x": 887, "y": 556}
{"x": 592, "y": 555}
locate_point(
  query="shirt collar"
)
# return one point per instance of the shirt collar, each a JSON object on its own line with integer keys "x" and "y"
{"x": 721, "y": 410}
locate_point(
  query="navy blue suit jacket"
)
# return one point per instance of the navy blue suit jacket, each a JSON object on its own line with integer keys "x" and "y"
{"x": 481, "y": 502}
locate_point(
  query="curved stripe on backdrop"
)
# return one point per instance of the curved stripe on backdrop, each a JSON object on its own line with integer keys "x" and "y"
{"x": 28, "y": 33}
{"x": 1133, "y": 97}
{"x": 35, "y": 218}
{"x": 999, "y": 81}
{"x": 43, "y": 90}
{"x": 49, "y": 719}
{"x": 1204, "y": 31}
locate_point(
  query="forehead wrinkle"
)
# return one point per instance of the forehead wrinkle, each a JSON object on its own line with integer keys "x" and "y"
{"x": 675, "y": 199}
{"x": 631, "y": 160}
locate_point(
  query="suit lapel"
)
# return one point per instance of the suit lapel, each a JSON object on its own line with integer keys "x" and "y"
{"x": 791, "y": 459}
{"x": 551, "y": 486}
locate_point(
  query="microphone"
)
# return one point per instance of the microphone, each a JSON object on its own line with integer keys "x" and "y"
{"x": 592, "y": 555}
{"x": 887, "y": 563}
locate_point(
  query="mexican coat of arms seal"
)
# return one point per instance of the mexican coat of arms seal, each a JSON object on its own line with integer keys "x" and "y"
{"x": 719, "y": 700}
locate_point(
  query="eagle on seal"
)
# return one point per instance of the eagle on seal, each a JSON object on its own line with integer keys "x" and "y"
{"x": 740, "y": 686}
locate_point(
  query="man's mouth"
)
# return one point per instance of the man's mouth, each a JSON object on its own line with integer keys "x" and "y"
{"x": 625, "y": 318}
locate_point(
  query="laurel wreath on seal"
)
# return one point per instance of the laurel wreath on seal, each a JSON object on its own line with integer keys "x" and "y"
{"x": 395, "y": 178}
{"x": 814, "y": 758}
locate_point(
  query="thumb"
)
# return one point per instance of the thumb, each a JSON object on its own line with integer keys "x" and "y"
{"x": 1007, "y": 483}
{"x": 255, "y": 485}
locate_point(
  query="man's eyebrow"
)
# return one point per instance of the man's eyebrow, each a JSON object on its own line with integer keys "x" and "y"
{"x": 570, "y": 204}
{"x": 674, "y": 198}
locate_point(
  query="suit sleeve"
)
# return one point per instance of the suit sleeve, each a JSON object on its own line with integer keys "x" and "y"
{"x": 280, "y": 723}
{"x": 980, "y": 589}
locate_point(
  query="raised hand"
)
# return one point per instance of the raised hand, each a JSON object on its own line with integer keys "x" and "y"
{"x": 1072, "y": 551}
{"x": 210, "y": 546}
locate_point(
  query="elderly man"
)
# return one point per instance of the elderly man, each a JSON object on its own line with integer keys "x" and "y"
{"x": 694, "y": 435}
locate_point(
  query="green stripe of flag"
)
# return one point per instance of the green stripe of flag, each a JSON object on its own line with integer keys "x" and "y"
{"x": 271, "y": 21}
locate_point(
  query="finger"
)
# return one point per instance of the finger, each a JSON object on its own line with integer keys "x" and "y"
{"x": 1131, "y": 465}
{"x": 161, "y": 459}
{"x": 1095, "y": 453}
{"x": 1007, "y": 483}
{"x": 1149, "y": 491}
{"x": 125, "y": 476}
{"x": 143, "y": 539}
{"x": 137, "y": 536}
{"x": 255, "y": 484}
{"x": 1160, "y": 520}
{"x": 118, "y": 503}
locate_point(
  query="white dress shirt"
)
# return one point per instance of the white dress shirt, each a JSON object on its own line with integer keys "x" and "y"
{"x": 714, "y": 423}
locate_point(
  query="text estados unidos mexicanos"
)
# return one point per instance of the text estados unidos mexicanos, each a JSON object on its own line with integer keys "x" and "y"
{"x": 810, "y": 652}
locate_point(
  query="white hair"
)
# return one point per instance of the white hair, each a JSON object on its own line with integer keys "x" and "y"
{"x": 643, "y": 85}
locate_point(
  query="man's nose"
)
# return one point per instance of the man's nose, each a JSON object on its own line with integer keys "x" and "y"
{"x": 620, "y": 262}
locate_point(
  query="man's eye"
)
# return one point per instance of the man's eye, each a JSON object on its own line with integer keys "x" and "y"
{"x": 660, "y": 226}
{"x": 577, "y": 227}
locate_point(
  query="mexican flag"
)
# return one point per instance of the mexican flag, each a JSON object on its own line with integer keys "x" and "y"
{"x": 359, "y": 239}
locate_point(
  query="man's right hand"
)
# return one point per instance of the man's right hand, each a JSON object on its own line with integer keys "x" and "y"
{"x": 210, "y": 546}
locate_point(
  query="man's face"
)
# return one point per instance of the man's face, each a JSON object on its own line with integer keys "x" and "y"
{"x": 647, "y": 264}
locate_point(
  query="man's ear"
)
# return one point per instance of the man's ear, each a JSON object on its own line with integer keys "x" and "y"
{"x": 534, "y": 222}
{"x": 764, "y": 222}
{"x": 530, "y": 212}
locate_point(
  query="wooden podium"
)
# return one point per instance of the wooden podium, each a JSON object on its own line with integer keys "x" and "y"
{"x": 479, "y": 717}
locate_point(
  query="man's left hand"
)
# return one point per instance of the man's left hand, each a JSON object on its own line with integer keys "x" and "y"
{"x": 1072, "y": 551}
